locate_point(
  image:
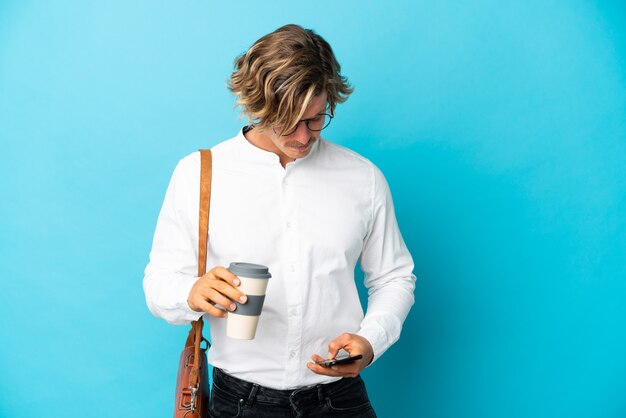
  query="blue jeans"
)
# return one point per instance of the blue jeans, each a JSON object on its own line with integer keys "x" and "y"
{"x": 232, "y": 397}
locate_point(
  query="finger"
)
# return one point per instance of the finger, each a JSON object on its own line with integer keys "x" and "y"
{"x": 350, "y": 370}
{"x": 216, "y": 297}
{"x": 227, "y": 276}
{"x": 211, "y": 310}
{"x": 315, "y": 357}
{"x": 335, "y": 371}
{"x": 338, "y": 343}
{"x": 226, "y": 289}
{"x": 327, "y": 371}
{"x": 347, "y": 370}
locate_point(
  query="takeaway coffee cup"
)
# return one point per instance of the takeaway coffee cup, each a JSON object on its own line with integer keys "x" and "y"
{"x": 242, "y": 322}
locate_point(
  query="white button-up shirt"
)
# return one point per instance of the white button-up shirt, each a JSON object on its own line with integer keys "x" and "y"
{"x": 310, "y": 223}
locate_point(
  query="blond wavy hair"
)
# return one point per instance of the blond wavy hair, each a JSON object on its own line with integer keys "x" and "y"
{"x": 275, "y": 80}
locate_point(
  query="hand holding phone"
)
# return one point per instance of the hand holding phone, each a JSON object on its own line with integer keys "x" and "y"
{"x": 345, "y": 343}
{"x": 339, "y": 360}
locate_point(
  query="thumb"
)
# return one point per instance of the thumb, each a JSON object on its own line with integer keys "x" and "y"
{"x": 337, "y": 344}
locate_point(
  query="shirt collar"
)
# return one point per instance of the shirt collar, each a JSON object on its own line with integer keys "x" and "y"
{"x": 259, "y": 154}
{"x": 254, "y": 152}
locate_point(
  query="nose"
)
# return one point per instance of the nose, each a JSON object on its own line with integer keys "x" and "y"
{"x": 302, "y": 133}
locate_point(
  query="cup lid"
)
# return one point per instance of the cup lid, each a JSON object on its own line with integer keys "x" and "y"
{"x": 254, "y": 271}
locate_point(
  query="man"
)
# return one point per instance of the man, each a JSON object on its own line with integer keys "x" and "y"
{"x": 309, "y": 210}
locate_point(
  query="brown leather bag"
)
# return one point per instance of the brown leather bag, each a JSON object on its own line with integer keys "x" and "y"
{"x": 192, "y": 385}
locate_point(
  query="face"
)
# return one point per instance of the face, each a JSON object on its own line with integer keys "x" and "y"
{"x": 298, "y": 144}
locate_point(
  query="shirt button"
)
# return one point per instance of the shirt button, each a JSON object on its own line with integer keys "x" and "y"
{"x": 294, "y": 312}
{"x": 292, "y": 268}
{"x": 292, "y": 354}
{"x": 288, "y": 224}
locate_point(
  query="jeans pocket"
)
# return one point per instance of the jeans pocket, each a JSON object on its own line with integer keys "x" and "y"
{"x": 224, "y": 404}
{"x": 348, "y": 409}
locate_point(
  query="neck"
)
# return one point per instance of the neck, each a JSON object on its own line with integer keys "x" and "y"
{"x": 261, "y": 139}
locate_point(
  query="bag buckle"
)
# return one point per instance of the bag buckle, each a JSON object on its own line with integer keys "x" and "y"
{"x": 193, "y": 393}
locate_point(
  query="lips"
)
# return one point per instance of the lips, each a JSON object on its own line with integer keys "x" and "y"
{"x": 300, "y": 147}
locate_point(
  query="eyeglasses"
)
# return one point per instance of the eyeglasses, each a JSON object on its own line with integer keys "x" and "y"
{"x": 314, "y": 124}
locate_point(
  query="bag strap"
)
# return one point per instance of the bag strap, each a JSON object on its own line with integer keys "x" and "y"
{"x": 206, "y": 171}
{"x": 195, "y": 334}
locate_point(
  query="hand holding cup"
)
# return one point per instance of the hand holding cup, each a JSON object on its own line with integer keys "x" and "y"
{"x": 217, "y": 287}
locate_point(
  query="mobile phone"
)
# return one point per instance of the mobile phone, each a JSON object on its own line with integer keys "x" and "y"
{"x": 339, "y": 360}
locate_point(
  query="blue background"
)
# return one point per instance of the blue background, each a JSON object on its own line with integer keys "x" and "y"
{"x": 501, "y": 128}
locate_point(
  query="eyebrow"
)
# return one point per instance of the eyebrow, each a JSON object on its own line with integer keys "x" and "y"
{"x": 320, "y": 113}
{"x": 312, "y": 117}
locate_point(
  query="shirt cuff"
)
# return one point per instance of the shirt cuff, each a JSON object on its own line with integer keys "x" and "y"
{"x": 377, "y": 337}
{"x": 187, "y": 314}
{"x": 177, "y": 311}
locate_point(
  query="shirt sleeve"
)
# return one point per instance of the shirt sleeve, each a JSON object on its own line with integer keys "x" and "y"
{"x": 388, "y": 268}
{"x": 172, "y": 269}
